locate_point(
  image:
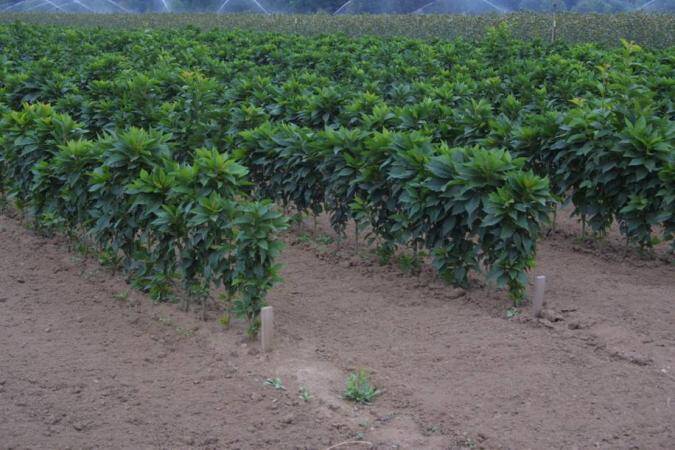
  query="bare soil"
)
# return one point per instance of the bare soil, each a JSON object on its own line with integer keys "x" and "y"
{"x": 84, "y": 365}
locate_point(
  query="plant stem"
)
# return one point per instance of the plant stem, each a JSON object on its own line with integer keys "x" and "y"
{"x": 583, "y": 226}
{"x": 356, "y": 236}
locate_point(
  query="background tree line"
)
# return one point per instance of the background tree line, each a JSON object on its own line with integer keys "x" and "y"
{"x": 368, "y": 6}
{"x": 406, "y": 6}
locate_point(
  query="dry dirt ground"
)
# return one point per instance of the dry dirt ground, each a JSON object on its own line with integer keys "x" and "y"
{"x": 84, "y": 365}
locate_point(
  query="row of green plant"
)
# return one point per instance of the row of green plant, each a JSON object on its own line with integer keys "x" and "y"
{"x": 654, "y": 30}
{"x": 598, "y": 123}
{"x": 175, "y": 227}
{"x": 471, "y": 208}
{"x": 611, "y": 164}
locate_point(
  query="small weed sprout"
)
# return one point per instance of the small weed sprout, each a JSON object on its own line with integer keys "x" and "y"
{"x": 185, "y": 332}
{"x": 83, "y": 249}
{"x": 165, "y": 321}
{"x": 122, "y": 296}
{"x": 411, "y": 264}
{"x": 253, "y": 328}
{"x": 304, "y": 238}
{"x": 512, "y": 312}
{"x": 305, "y": 396}
{"x": 359, "y": 388}
{"x": 325, "y": 239}
{"x": 275, "y": 383}
{"x": 384, "y": 254}
{"x": 224, "y": 320}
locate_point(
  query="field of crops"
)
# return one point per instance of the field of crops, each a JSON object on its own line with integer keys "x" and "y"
{"x": 170, "y": 149}
{"x": 651, "y": 30}
{"x": 201, "y": 165}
